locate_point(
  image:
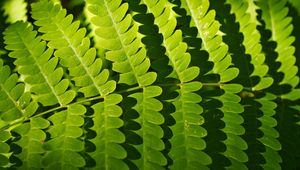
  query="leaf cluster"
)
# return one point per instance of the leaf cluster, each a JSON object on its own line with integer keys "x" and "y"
{"x": 149, "y": 84}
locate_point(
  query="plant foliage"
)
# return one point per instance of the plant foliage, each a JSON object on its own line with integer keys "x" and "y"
{"x": 149, "y": 84}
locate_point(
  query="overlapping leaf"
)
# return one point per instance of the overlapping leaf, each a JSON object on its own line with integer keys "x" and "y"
{"x": 247, "y": 18}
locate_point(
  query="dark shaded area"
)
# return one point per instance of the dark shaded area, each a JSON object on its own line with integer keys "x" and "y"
{"x": 215, "y": 136}
{"x": 4, "y": 53}
{"x": 252, "y": 124}
{"x": 288, "y": 116}
{"x": 289, "y": 131}
{"x": 130, "y": 126}
{"x": 74, "y": 7}
{"x": 234, "y": 39}
{"x": 88, "y": 135}
{"x": 15, "y": 149}
{"x": 168, "y": 109}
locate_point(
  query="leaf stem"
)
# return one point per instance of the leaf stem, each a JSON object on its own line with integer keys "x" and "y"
{"x": 24, "y": 119}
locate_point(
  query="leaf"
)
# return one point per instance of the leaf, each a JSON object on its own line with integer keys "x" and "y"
{"x": 229, "y": 74}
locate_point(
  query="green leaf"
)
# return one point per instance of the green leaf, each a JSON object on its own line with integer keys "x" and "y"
{"x": 229, "y": 74}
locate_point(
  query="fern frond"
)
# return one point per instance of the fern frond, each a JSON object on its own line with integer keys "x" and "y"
{"x": 187, "y": 142}
{"x": 109, "y": 153}
{"x": 93, "y": 27}
{"x": 31, "y": 141}
{"x": 246, "y": 16}
{"x": 187, "y": 109}
{"x": 15, "y": 102}
{"x": 36, "y": 65}
{"x": 73, "y": 48}
{"x": 234, "y": 130}
{"x": 117, "y": 33}
{"x": 64, "y": 147}
{"x": 269, "y": 139}
{"x": 172, "y": 40}
{"x": 15, "y": 10}
{"x": 208, "y": 30}
{"x": 274, "y": 13}
{"x": 150, "y": 118}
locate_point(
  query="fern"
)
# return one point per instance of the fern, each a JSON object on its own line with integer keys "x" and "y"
{"x": 187, "y": 134}
{"x": 208, "y": 31}
{"x": 120, "y": 39}
{"x": 64, "y": 36}
{"x": 36, "y": 66}
{"x": 16, "y": 103}
{"x": 149, "y": 84}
